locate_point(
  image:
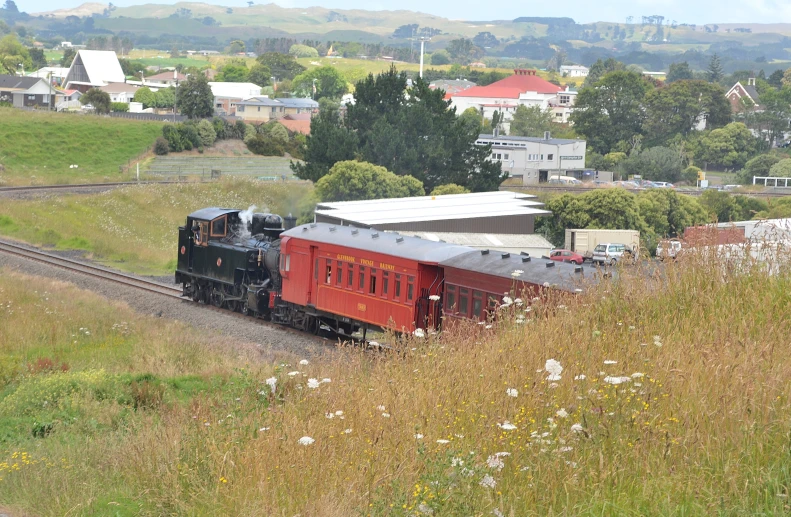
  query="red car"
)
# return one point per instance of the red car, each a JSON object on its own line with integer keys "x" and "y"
{"x": 566, "y": 256}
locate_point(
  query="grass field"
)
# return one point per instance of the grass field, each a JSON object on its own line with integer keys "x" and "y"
{"x": 673, "y": 399}
{"x": 135, "y": 228}
{"x": 37, "y": 147}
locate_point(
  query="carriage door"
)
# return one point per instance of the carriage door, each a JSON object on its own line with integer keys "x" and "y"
{"x": 313, "y": 285}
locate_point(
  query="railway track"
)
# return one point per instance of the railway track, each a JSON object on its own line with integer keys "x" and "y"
{"x": 124, "y": 279}
{"x": 81, "y": 186}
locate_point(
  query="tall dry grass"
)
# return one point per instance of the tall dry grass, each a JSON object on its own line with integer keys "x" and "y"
{"x": 673, "y": 399}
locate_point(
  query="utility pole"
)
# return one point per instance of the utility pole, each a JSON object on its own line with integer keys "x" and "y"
{"x": 423, "y": 40}
{"x": 176, "y": 94}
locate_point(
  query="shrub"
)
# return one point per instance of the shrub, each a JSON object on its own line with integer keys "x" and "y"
{"x": 119, "y": 107}
{"x": 189, "y": 133}
{"x": 303, "y": 51}
{"x": 450, "y": 188}
{"x": 161, "y": 146}
{"x": 440, "y": 57}
{"x": 265, "y": 146}
{"x": 206, "y": 133}
{"x": 277, "y": 131}
{"x": 173, "y": 137}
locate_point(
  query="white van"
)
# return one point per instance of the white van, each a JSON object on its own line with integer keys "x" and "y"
{"x": 563, "y": 180}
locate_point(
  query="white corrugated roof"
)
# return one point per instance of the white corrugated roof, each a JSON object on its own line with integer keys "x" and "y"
{"x": 433, "y": 208}
{"x": 102, "y": 66}
{"x": 485, "y": 240}
{"x": 235, "y": 90}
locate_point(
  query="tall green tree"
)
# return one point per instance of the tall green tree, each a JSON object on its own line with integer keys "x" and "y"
{"x": 714, "y": 72}
{"x": 329, "y": 142}
{"x": 655, "y": 164}
{"x": 720, "y": 205}
{"x": 677, "y": 108}
{"x": 464, "y": 51}
{"x": 601, "y": 68}
{"x": 758, "y": 166}
{"x": 12, "y": 54}
{"x": 729, "y": 147}
{"x": 259, "y": 74}
{"x": 611, "y": 110}
{"x": 233, "y": 73}
{"x": 37, "y": 58}
{"x": 98, "y": 99}
{"x": 194, "y": 97}
{"x": 68, "y": 57}
{"x": 282, "y": 66}
{"x": 146, "y": 96}
{"x": 679, "y": 72}
{"x": 328, "y": 80}
{"x": 531, "y": 121}
{"x": 352, "y": 180}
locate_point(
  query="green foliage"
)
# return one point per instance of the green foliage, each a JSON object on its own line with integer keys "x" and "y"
{"x": 206, "y": 133}
{"x": 283, "y": 66}
{"x": 119, "y": 107}
{"x": 720, "y": 205}
{"x": 328, "y": 82}
{"x": 146, "y": 96}
{"x": 777, "y": 208}
{"x": 781, "y": 169}
{"x": 352, "y": 180}
{"x": 329, "y": 142}
{"x": 714, "y": 72}
{"x": 464, "y": 51}
{"x": 448, "y": 188}
{"x": 265, "y": 146}
{"x": 679, "y": 72}
{"x": 690, "y": 174}
{"x": 195, "y": 99}
{"x": 440, "y": 57}
{"x": 259, "y": 74}
{"x": 276, "y": 131}
{"x": 667, "y": 214}
{"x": 98, "y": 99}
{"x": 611, "y": 110}
{"x": 761, "y": 165}
{"x": 161, "y": 147}
{"x": 675, "y": 109}
{"x": 729, "y": 146}
{"x": 233, "y": 73}
{"x": 68, "y": 57}
{"x": 531, "y": 121}
{"x": 303, "y": 51}
{"x": 654, "y": 164}
{"x": 601, "y": 68}
{"x": 12, "y": 54}
{"x": 750, "y": 206}
{"x": 173, "y": 137}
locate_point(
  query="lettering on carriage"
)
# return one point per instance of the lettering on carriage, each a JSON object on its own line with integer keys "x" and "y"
{"x": 367, "y": 262}
{"x": 347, "y": 258}
{"x": 389, "y": 267}
{"x": 361, "y": 307}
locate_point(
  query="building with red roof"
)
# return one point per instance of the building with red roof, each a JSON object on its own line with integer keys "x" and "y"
{"x": 524, "y": 88}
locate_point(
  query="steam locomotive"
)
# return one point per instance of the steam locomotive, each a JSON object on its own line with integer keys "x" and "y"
{"x": 349, "y": 279}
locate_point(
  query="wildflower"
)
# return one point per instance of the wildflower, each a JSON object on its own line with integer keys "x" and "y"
{"x": 386, "y": 415}
{"x": 617, "y": 380}
{"x": 419, "y": 333}
{"x": 580, "y": 377}
{"x": 506, "y": 426}
{"x": 566, "y": 449}
{"x": 313, "y": 384}
{"x": 488, "y": 481}
{"x": 292, "y": 374}
{"x": 507, "y": 300}
{"x": 418, "y": 436}
{"x": 502, "y": 454}
{"x": 306, "y": 440}
{"x": 511, "y": 392}
{"x": 326, "y": 380}
{"x": 631, "y": 327}
{"x": 272, "y": 383}
{"x": 339, "y": 413}
{"x": 381, "y": 408}
{"x": 562, "y": 413}
{"x": 495, "y": 462}
{"x": 304, "y": 362}
{"x": 425, "y": 509}
{"x": 546, "y": 284}
{"x": 434, "y": 298}
{"x": 347, "y": 431}
{"x": 657, "y": 340}
{"x": 456, "y": 462}
{"x": 637, "y": 375}
{"x": 497, "y": 513}
{"x": 443, "y": 442}
{"x": 518, "y": 302}
{"x": 329, "y": 415}
{"x": 262, "y": 429}
{"x": 610, "y": 361}
{"x": 488, "y": 327}
{"x": 577, "y": 428}
{"x": 467, "y": 472}
{"x": 517, "y": 273}
{"x": 554, "y": 369}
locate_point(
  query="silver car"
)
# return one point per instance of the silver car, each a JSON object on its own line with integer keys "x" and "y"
{"x": 611, "y": 253}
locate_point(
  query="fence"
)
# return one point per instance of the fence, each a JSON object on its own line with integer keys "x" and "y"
{"x": 148, "y": 116}
{"x": 265, "y": 168}
{"x": 771, "y": 181}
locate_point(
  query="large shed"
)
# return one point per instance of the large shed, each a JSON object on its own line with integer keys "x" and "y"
{"x": 483, "y": 212}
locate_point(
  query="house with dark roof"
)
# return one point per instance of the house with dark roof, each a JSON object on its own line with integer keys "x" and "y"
{"x": 264, "y": 109}
{"x": 26, "y": 91}
{"x": 524, "y": 88}
{"x": 742, "y": 97}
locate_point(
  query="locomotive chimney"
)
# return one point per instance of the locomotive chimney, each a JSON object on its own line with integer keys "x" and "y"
{"x": 289, "y": 221}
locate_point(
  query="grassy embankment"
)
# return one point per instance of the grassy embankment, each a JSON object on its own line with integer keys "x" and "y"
{"x": 37, "y": 147}
{"x": 683, "y": 410}
{"x": 135, "y": 228}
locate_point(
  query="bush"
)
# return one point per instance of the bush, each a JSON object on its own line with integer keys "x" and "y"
{"x": 173, "y": 137}
{"x": 119, "y": 107}
{"x": 161, "y": 147}
{"x": 189, "y": 134}
{"x": 440, "y": 57}
{"x": 690, "y": 175}
{"x": 265, "y": 146}
{"x": 206, "y": 133}
{"x": 303, "y": 51}
{"x": 781, "y": 169}
{"x": 277, "y": 131}
{"x": 450, "y": 188}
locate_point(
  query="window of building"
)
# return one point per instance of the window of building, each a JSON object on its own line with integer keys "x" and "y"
{"x": 218, "y": 227}
{"x": 339, "y": 274}
{"x": 372, "y": 283}
{"x": 550, "y": 157}
{"x": 464, "y": 295}
{"x": 450, "y": 298}
{"x": 505, "y": 156}
{"x": 398, "y": 287}
{"x": 542, "y": 157}
{"x": 410, "y": 289}
{"x": 385, "y": 282}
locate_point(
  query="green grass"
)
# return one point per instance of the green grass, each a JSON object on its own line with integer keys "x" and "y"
{"x": 136, "y": 228}
{"x": 37, "y": 147}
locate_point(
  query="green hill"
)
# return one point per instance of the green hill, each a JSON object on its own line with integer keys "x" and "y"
{"x": 39, "y": 147}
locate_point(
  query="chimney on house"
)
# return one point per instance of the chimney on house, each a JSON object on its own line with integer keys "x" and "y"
{"x": 751, "y": 81}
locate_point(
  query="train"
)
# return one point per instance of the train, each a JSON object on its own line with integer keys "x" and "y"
{"x": 348, "y": 280}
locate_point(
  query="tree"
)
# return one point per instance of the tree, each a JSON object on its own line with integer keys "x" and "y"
{"x": 146, "y": 96}
{"x": 463, "y": 51}
{"x": 761, "y": 165}
{"x": 233, "y": 73}
{"x": 329, "y": 142}
{"x": 787, "y": 77}
{"x": 37, "y": 58}
{"x": 440, "y": 57}
{"x": 11, "y": 7}
{"x": 447, "y": 189}
{"x": 720, "y": 205}
{"x": 352, "y": 180}
{"x": 98, "y": 99}
{"x": 68, "y": 57}
{"x": 206, "y": 133}
{"x": 328, "y": 83}
{"x": 654, "y": 164}
{"x": 12, "y": 54}
{"x": 729, "y": 146}
{"x": 236, "y": 47}
{"x": 165, "y": 97}
{"x": 668, "y": 214}
{"x": 303, "y": 51}
{"x": 259, "y": 74}
{"x": 195, "y": 99}
{"x": 677, "y": 108}
{"x": 601, "y": 68}
{"x": 714, "y": 72}
{"x": 611, "y": 110}
{"x": 781, "y": 169}
{"x": 531, "y": 121}
{"x": 175, "y": 53}
{"x": 265, "y": 146}
{"x": 776, "y": 79}
{"x": 283, "y": 66}
{"x": 161, "y": 146}
{"x": 274, "y": 130}
{"x": 679, "y": 72}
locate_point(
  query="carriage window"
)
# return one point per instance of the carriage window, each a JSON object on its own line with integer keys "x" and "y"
{"x": 339, "y": 280}
{"x": 362, "y": 279}
{"x": 410, "y": 288}
{"x": 450, "y": 298}
{"x": 218, "y": 227}
{"x": 397, "y": 287}
{"x": 204, "y": 234}
{"x": 463, "y": 300}
{"x": 350, "y": 276}
{"x": 372, "y": 285}
{"x": 385, "y": 282}
{"x": 477, "y": 304}
{"x": 329, "y": 272}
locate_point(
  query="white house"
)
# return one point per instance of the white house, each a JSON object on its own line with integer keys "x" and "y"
{"x": 120, "y": 92}
{"x": 56, "y": 74}
{"x": 226, "y": 95}
{"x": 26, "y": 91}
{"x": 524, "y": 88}
{"x": 92, "y": 69}
{"x": 574, "y": 71}
{"x": 166, "y": 78}
{"x": 536, "y": 159}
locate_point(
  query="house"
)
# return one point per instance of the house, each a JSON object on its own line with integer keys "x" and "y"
{"x": 26, "y": 91}
{"x": 92, "y": 69}
{"x": 296, "y": 125}
{"x": 478, "y": 64}
{"x": 574, "y": 71}
{"x": 264, "y": 109}
{"x": 226, "y": 95}
{"x": 55, "y": 73}
{"x": 120, "y": 92}
{"x": 451, "y": 86}
{"x": 166, "y": 78}
{"x": 742, "y": 97}
{"x": 524, "y": 88}
{"x": 537, "y": 159}
{"x": 66, "y": 100}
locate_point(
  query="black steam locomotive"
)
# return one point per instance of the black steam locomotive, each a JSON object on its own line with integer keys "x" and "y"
{"x": 229, "y": 258}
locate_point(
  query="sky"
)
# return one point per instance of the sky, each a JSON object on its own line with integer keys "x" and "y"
{"x": 683, "y": 11}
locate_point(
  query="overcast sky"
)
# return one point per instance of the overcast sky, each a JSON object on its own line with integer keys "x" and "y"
{"x": 683, "y": 11}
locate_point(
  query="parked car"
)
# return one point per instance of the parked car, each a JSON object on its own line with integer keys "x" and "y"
{"x": 611, "y": 253}
{"x": 663, "y": 184}
{"x": 563, "y": 180}
{"x": 668, "y": 249}
{"x": 566, "y": 256}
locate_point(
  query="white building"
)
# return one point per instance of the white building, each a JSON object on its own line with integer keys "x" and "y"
{"x": 536, "y": 159}
{"x": 533, "y": 244}
{"x": 226, "y": 95}
{"x": 92, "y": 69}
{"x": 56, "y": 74}
{"x": 120, "y": 92}
{"x": 574, "y": 71}
{"x": 524, "y": 88}
{"x": 166, "y": 78}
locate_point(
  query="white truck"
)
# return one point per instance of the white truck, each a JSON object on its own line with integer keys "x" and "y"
{"x": 583, "y": 241}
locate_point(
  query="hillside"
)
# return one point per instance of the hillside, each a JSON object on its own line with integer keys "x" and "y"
{"x": 39, "y": 147}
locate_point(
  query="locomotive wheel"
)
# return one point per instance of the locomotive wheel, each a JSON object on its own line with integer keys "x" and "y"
{"x": 244, "y": 309}
{"x": 196, "y": 292}
{"x": 217, "y": 298}
{"x": 233, "y": 306}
